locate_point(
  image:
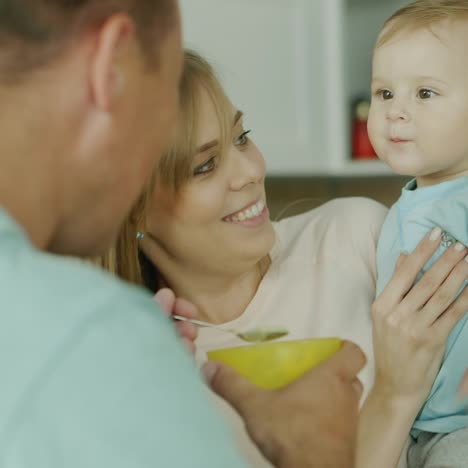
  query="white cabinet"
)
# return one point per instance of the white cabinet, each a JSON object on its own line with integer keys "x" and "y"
{"x": 293, "y": 67}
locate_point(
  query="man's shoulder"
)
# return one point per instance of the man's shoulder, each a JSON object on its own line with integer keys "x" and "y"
{"x": 49, "y": 296}
{"x": 49, "y": 305}
{"x": 30, "y": 275}
{"x": 89, "y": 361}
{"x": 35, "y": 278}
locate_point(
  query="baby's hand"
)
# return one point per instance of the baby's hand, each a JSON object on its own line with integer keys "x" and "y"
{"x": 177, "y": 306}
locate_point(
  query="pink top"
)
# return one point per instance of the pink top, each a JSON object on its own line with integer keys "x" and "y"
{"x": 321, "y": 283}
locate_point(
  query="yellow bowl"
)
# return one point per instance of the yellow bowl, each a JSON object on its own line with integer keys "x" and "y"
{"x": 273, "y": 365}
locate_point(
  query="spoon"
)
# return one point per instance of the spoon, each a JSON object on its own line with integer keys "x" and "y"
{"x": 254, "y": 335}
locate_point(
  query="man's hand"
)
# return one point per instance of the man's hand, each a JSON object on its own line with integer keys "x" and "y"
{"x": 177, "y": 306}
{"x": 310, "y": 423}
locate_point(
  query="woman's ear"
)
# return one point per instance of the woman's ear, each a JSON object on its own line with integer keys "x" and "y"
{"x": 107, "y": 77}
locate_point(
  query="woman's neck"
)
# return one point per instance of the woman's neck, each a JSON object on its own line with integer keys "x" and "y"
{"x": 219, "y": 297}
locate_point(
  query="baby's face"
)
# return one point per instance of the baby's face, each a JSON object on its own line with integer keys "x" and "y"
{"x": 418, "y": 121}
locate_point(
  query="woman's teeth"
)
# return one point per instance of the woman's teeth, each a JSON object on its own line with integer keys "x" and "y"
{"x": 251, "y": 212}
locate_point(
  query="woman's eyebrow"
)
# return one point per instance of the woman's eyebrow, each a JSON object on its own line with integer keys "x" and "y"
{"x": 207, "y": 146}
{"x": 213, "y": 143}
{"x": 237, "y": 117}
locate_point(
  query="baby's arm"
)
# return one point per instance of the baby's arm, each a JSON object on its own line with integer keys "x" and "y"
{"x": 450, "y": 214}
{"x": 408, "y": 348}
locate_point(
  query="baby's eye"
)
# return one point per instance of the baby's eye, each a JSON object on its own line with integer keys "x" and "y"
{"x": 425, "y": 93}
{"x": 385, "y": 94}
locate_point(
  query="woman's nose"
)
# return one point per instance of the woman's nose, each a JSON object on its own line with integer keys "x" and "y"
{"x": 247, "y": 167}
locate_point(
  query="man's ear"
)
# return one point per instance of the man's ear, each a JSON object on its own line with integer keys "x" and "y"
{"x": 107, "y": 76}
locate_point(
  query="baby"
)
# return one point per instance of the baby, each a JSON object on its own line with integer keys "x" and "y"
{"x": 418, "y": 125}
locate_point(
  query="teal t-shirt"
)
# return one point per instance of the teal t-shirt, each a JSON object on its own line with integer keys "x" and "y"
{"x": 417, "y": 211}
{"x": 92, "y": 374}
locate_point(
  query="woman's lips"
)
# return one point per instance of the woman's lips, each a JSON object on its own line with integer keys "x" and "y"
{"x": 253, "y": 215}
{"x": 249, "y": 211}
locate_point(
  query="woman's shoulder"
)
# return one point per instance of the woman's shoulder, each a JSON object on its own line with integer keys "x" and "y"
{"x": 358, "y": 214}
{"x": 359, "y": 207}
{"x": 339, "y": 222}
{"x": 343, "y": 212}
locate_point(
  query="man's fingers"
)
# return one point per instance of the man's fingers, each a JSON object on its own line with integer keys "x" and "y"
{"x": 358, "y": 387}
{"x": 184, "y": 308}
{"x": 348, "y": 361}
{"x": 189, "y": 345}
{"x": 187, "y": 330}
{"x": 230, "y": 386}
{"x": 171, "y": 305}
{"x": 165, "y": 298}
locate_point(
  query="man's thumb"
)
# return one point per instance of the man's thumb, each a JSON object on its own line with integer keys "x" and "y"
{"x": 229, "y": 385}
{"x": 166, "y": 299}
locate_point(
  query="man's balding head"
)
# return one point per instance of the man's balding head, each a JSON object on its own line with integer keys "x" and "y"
{"x": 35, "y": 32}
{"x": 89, "y": 93}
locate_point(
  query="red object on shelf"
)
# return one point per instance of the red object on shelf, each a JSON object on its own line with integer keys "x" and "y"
{"x": 361, "y": 145}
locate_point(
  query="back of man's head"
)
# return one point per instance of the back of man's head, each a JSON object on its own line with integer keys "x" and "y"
{"x": 34, "y": 32}
{"x": 89, "y": 94}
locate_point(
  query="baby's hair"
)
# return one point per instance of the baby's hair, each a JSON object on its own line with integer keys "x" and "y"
{"x": 422, "y": 14}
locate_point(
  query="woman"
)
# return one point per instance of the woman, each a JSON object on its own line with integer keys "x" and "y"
{"x": 202, "y": 229}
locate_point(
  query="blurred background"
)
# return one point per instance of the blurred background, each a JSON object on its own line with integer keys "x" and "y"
{"x": 300, "y": 72}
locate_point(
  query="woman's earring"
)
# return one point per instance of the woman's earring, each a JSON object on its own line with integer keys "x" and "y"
{"x": 140, "y": 235}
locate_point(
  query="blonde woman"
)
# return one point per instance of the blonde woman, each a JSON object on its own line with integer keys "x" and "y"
{"x": 202, "y": 229}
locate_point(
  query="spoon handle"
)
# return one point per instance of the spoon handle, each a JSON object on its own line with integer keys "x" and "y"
{"x": 256, "y": 335}
{"x": 201, "y": 323}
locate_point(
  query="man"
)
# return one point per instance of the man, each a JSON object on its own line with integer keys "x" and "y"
{"x": 92, "y": 375}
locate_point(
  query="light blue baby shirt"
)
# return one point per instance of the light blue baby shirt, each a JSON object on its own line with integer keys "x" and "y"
{"x": 92, "y": 374}
{"x": 416, "y": 212}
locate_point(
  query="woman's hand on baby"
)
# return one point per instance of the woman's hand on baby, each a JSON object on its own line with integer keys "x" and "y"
{"x": 173, "y": 305}
{"x": 310, "y": 423}
{"x": 412, "y": 321}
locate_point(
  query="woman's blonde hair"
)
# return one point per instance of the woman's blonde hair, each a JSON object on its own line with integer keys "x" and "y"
{"x": 174, "y": 169}
{"x": 422, "y": 14}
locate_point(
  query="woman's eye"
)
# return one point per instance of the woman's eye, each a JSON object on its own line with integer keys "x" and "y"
{"x": 385, "y": 94}
{"x": 242, "y": 139}
{"x": 426, "y": 93}
{"x": 207, "y": 166}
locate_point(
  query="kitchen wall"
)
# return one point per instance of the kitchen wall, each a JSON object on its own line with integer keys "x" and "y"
{"x": 295, "y": 67}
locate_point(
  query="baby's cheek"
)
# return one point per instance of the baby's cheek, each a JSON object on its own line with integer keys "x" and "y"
{"x": 374, "y": 132}
{"x": 372, "y": 123}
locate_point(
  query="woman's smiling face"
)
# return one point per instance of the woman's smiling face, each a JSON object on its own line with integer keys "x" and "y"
{"x": 219, "y": 218}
